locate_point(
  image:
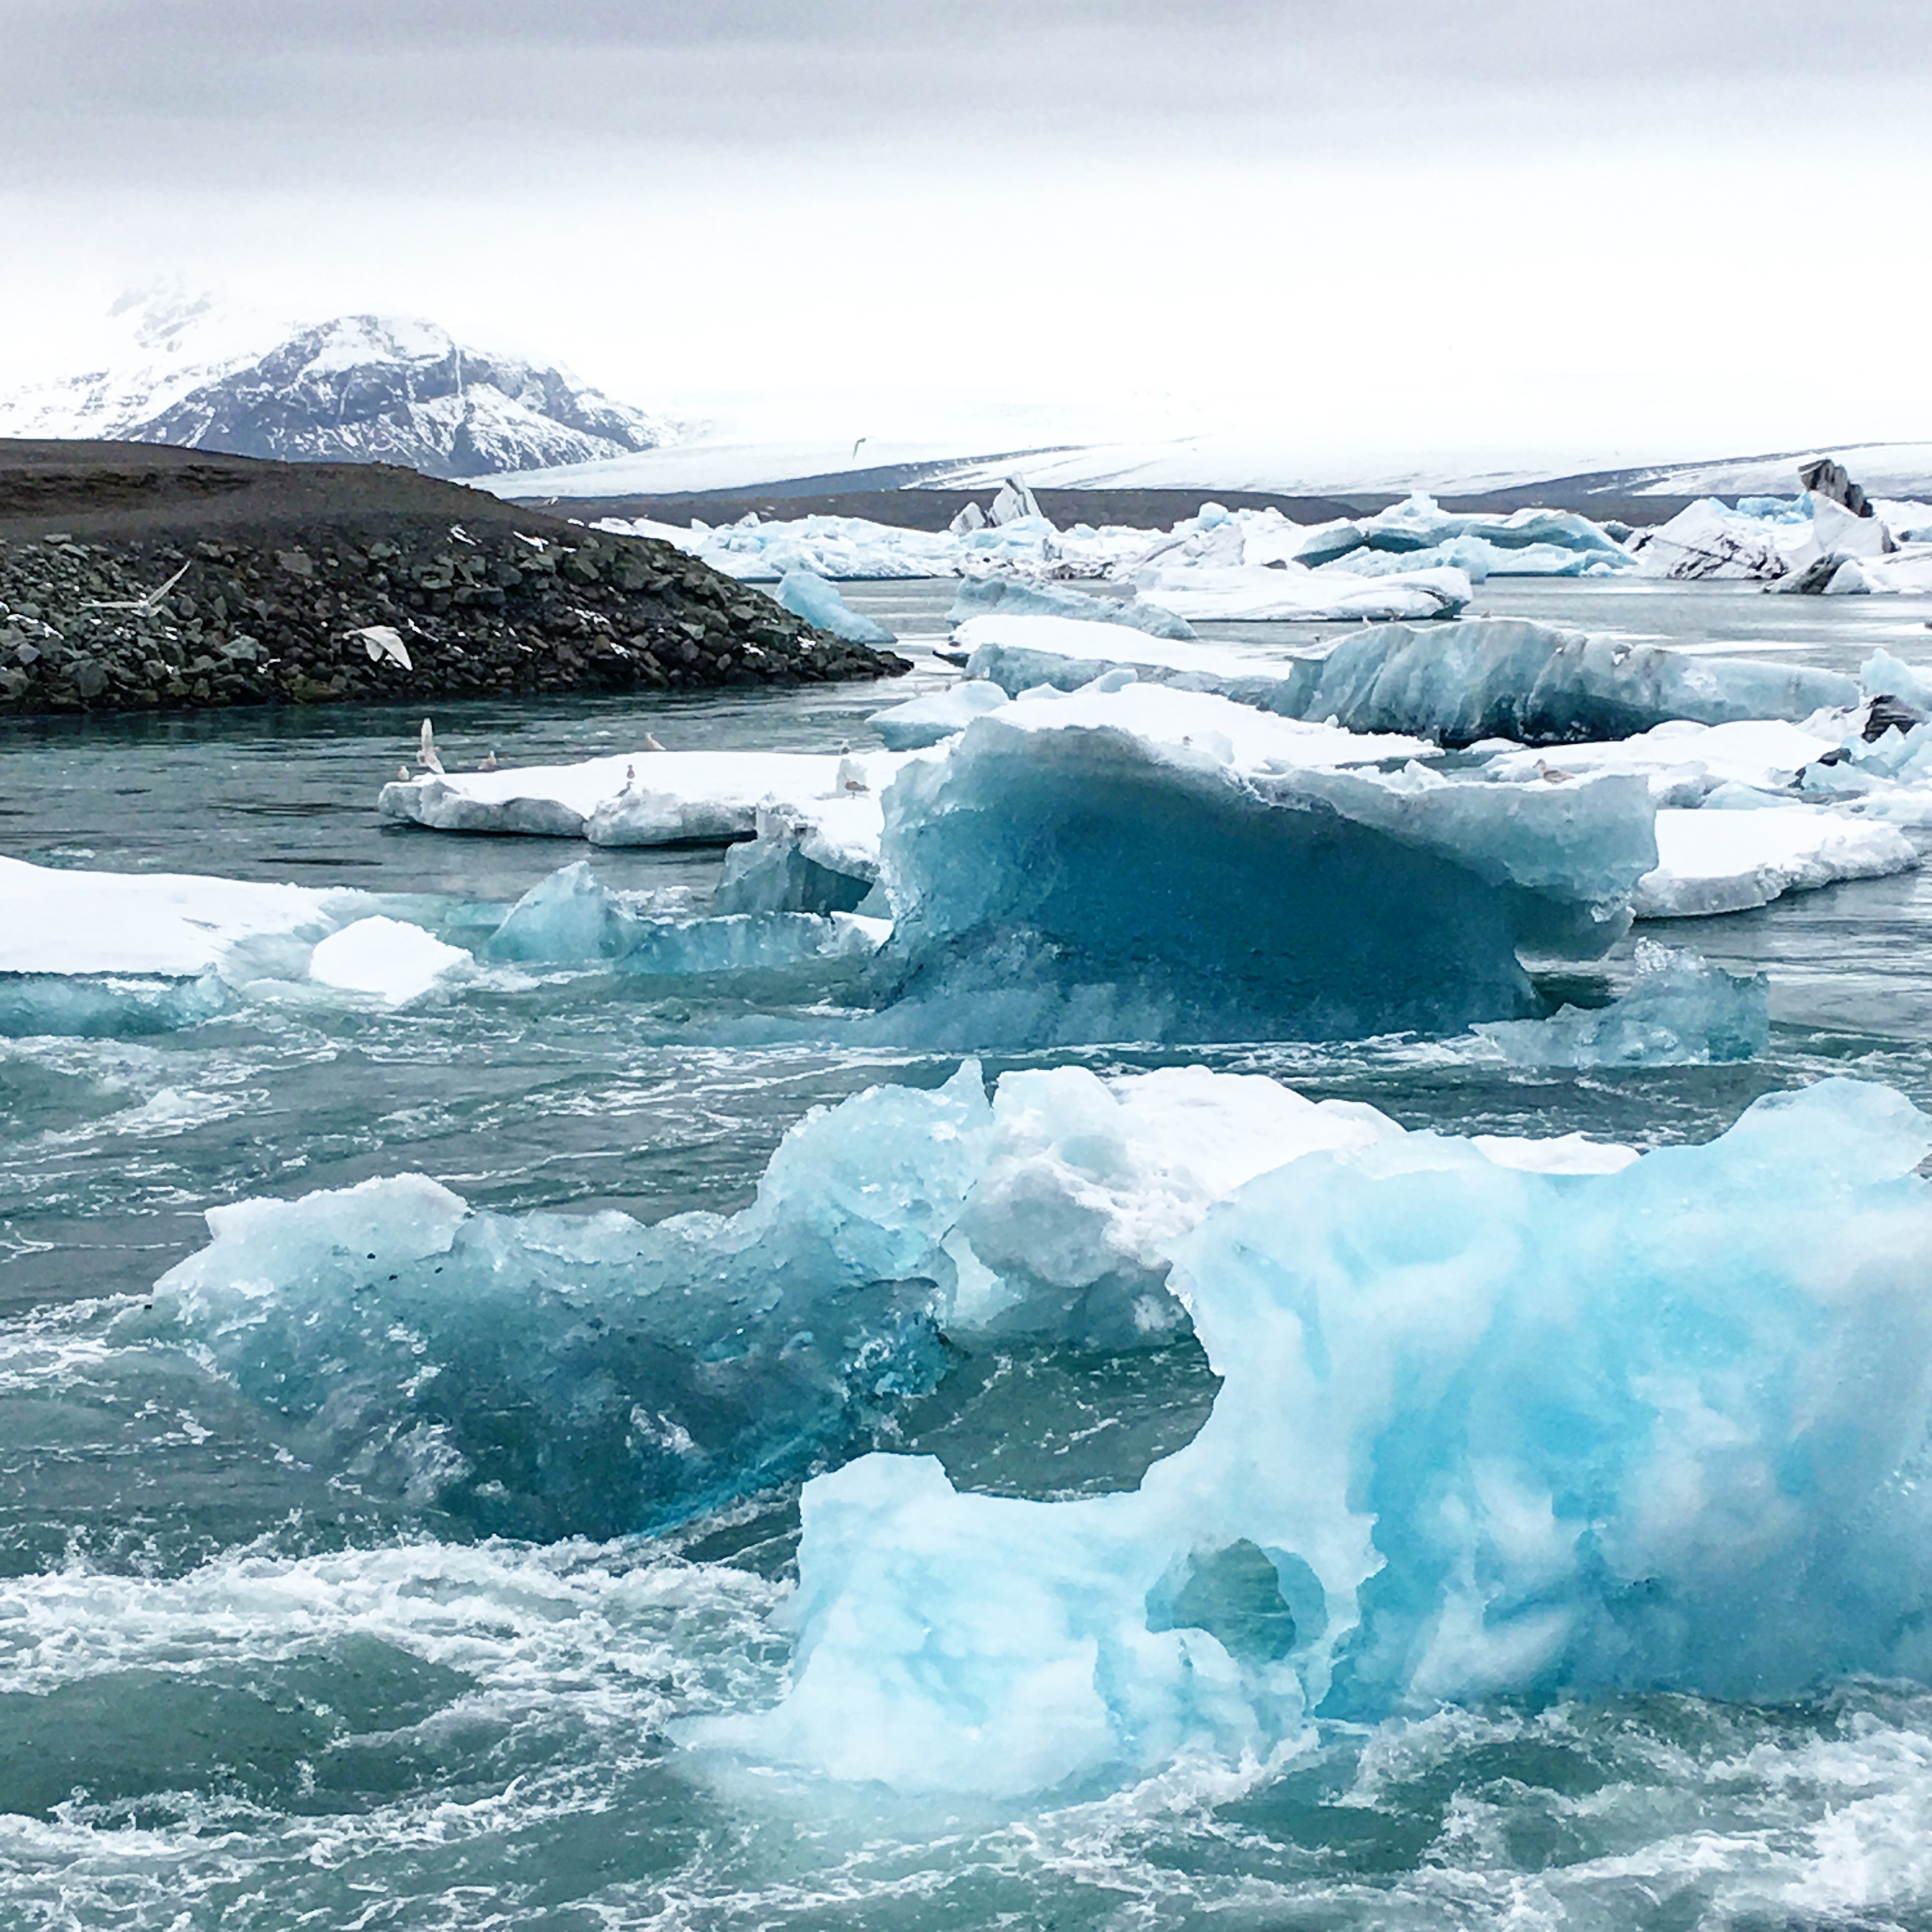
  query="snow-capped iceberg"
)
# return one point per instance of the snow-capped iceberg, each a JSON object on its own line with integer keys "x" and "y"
{"x": 1681, "y": 1011}
{"x": 921, "y": 721}
{"x": 1482, "y": 1431}
{"x": 1134, "y": 863}
{"x": 1714, "y": 861}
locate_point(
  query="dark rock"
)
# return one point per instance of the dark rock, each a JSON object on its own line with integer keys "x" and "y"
{"x": 1830, "y": 479}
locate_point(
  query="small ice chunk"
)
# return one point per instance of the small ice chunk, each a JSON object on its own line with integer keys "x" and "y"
{"x": 1680, "y": 1013}
{"x": 818, "y": 602}
{"x": 387, "y": 957}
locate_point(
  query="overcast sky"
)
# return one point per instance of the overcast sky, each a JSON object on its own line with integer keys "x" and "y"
{"x": 1631, "y": 230}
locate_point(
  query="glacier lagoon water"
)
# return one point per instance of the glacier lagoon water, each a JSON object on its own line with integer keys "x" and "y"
{"x": 244, "y": 1683}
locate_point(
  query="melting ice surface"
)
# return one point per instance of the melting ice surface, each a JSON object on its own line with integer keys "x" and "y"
{"x": 1480, "y": 1429}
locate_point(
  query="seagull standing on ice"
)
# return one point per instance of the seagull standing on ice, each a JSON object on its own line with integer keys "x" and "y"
{"x": 426, "y": 755}
{"x": 851, "y": 773}
{"x": 489, "y": 763}
{"x": 651, "y": 744}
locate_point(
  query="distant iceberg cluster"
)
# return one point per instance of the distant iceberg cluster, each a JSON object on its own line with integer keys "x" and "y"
{"x": 1414, "y": 560}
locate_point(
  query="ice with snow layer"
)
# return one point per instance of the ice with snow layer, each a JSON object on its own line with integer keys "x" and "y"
{"x": 1128, "y": 862}
{"x": 1684, "y": 762}
{"x": 1711, "y": 860}
{"x": 645, "y": 798}
{"x": 984, "y": 596}
{"x": 1481, "y": 1431}
{"x": 921, "y": 721}
{"x": 1480, "y": 677}
{"x": 168, "y": 924}
{"x": 112, "y": 954}
{"x": 387, "y": 957}
{"x": 1682, "y": 1012}
{"x": 1020, "y": 653}
{"x": 812, "y": 598}
{"x": 1243, "y": 593}
{"x": 551, "y": 1374}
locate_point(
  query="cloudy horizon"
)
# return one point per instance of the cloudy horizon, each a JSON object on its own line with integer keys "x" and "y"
{"x": 1381, "y": 232}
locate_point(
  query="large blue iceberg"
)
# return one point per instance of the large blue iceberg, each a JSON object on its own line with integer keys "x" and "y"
{"x": 1116, "y": 865}
{"x": 1482, "y": 1431}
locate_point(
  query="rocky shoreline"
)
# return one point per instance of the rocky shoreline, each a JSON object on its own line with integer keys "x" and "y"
{"x": 404, "y": 606}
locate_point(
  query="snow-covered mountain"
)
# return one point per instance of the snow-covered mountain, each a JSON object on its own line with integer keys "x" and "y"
{"x": 360, "y": 389}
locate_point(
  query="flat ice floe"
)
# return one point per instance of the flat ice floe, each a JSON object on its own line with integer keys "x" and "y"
{"x": 167, "y": 924}
{"x": 644, "y": 798}
{"x": 1684, "y": 761}
{"x": 1714, "y": 861}
{"x": 1241, "y": 593}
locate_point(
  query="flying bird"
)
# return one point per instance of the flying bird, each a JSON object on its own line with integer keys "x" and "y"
{"x": 426, "y": 755}
{"x": 855, "y": 447}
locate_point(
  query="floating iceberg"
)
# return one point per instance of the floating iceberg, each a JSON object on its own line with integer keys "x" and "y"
{"x": 1524, "y": 543}
{"x": 109, "y": 954}
{"x": 1504, "y": 677}
{"x": 1481, "y": 1431}
{"x": 649, "y": 798}
{"x": 985, "y": 596}
{"x": 1241, "y": 593}
{"x": 810, "y": 597}
{"x": 1713, "y": 861}
{"x": 549, "y": 1374}
{"x": 1708, "y": 540}
{"x": 1457, "y": 684}
{"x": 1141, "y": 863}
{"x": 1681, "y": 1012}
{"x": 1020, "y": 653}
{"x": 1683, "y": 762}
{"x": 570, "y": 919}
{"x": 921, "y": 721}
